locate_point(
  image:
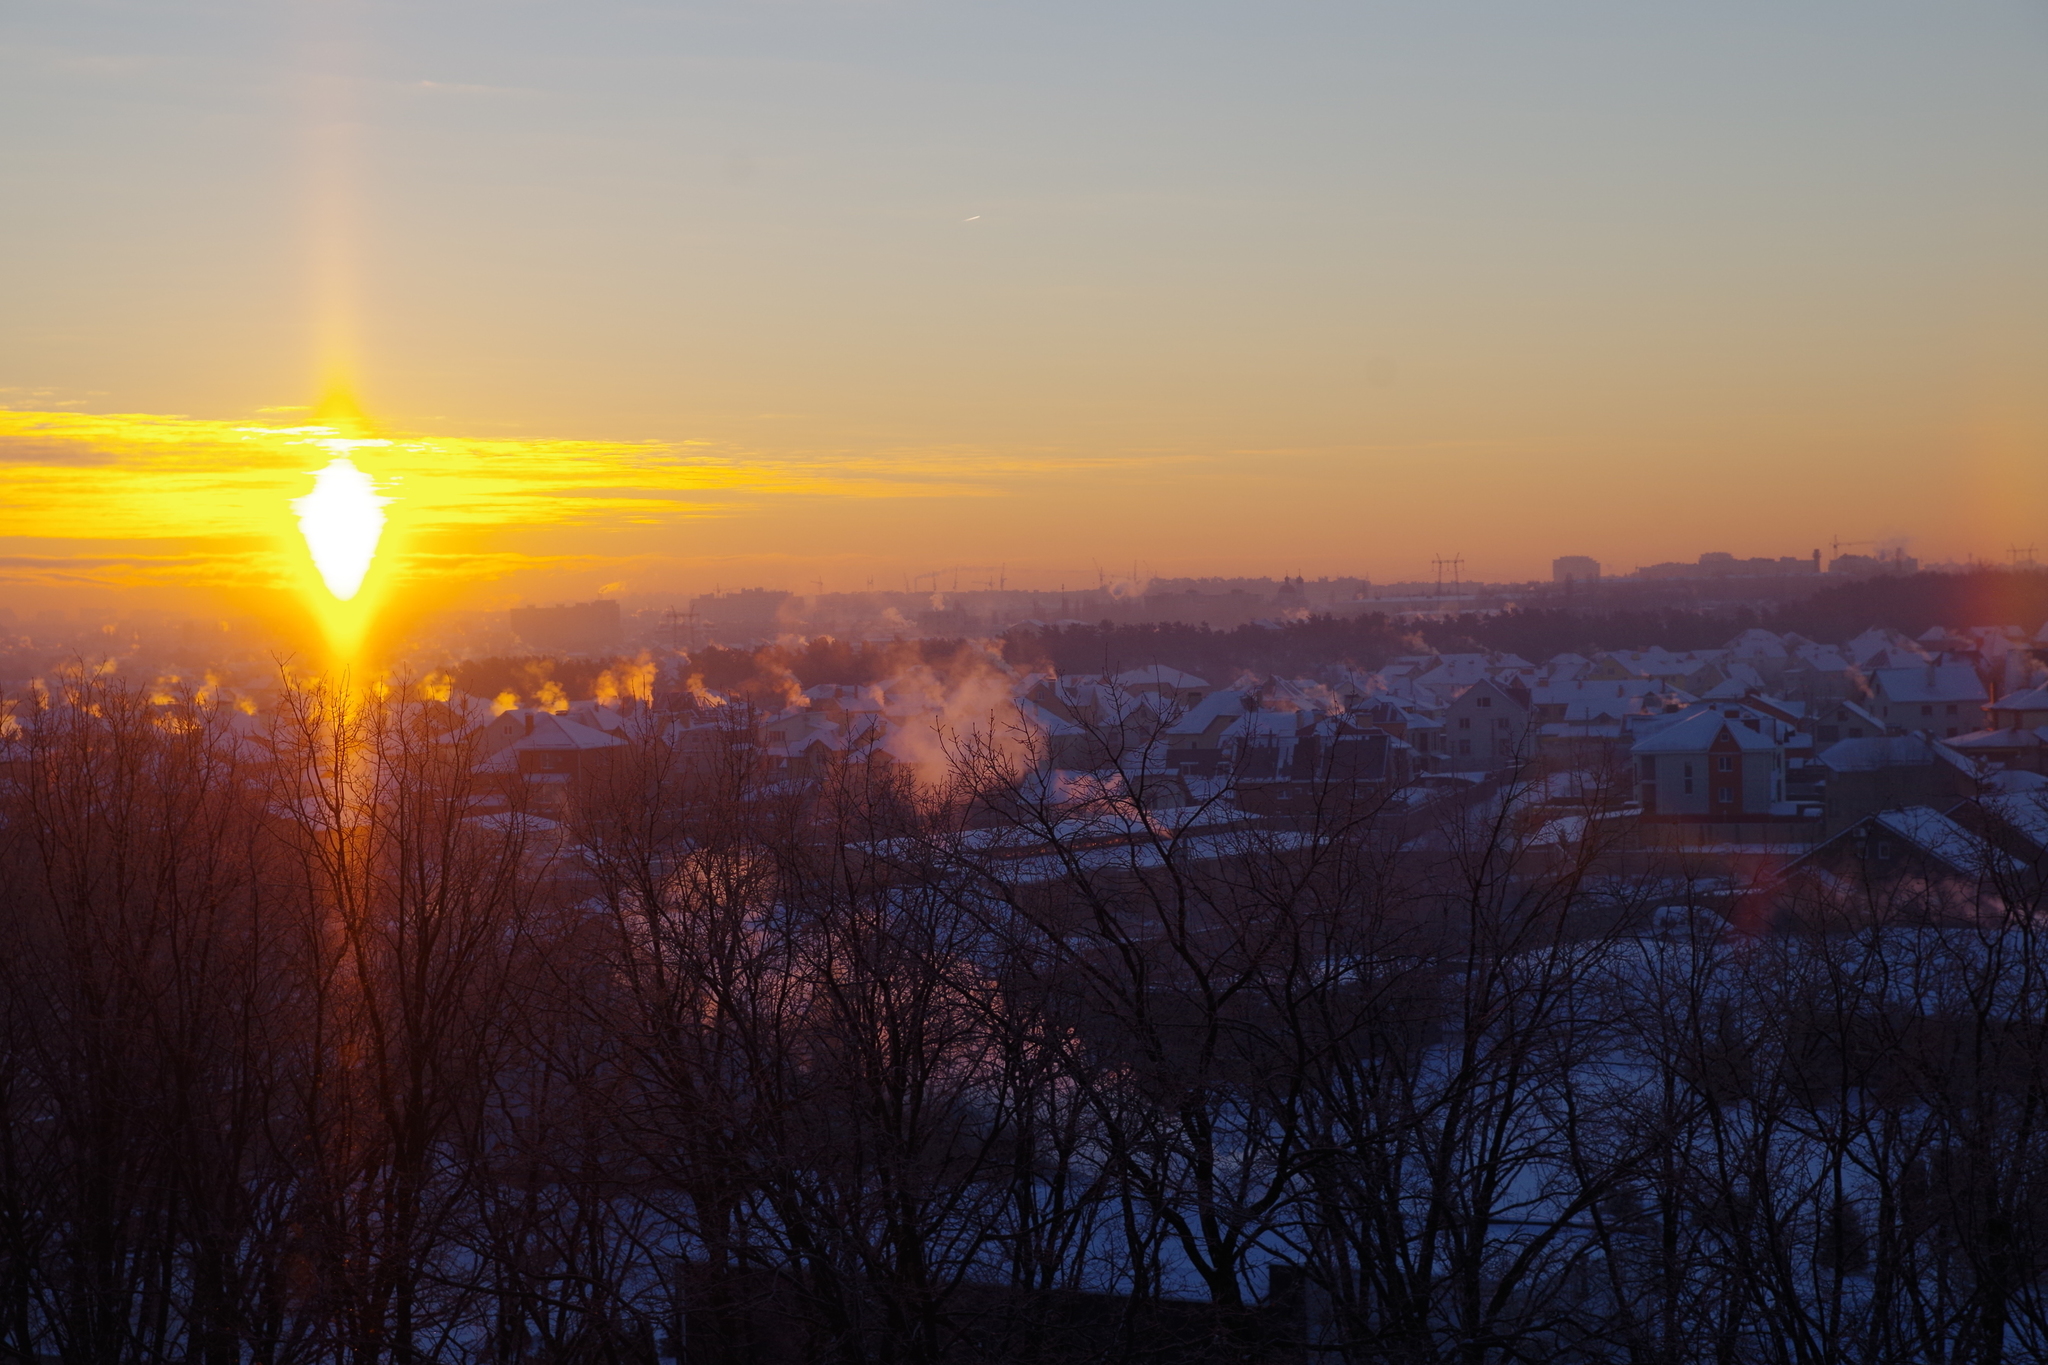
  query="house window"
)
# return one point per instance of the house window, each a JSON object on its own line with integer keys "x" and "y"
{"x": 1725, "y": 763}
{"x": 1951, "y": 710}
{"x": 1464, "y": 722}
{"x": 1649, "y": 769}
{"x": 1464, "y": 746}
{"x": 1486, "y": 701}
{"x": 1884, "y": 851}
{"x": 1688, "y": 781}
{"x": 1926, "y": 710}
{"x": 1501, "y": 724}
{"x": 1688, "y": 770}
{"x": 1725, "y": 795}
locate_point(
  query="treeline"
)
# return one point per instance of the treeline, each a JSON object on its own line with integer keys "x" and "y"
{"x": 318, "y": 1045}
{"x": 1910, "y": 603}
{"x": 1293, "y": 648}
{"x": 1914, "y": 602}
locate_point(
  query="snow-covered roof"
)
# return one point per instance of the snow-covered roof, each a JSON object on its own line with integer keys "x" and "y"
{"x": 1253, "y": 725}
{"x": 1696, "y": 733}
{"x": 1821, "y": 658}
{"x": 1227, "y": 701}
{"x": 559, "y": 732}
{"x": 1757, "y": 643}
{"x": 1928, "y": 829}
{"x": 1581, "y": 690}
{"x": 1159, "y": 675}
{"x": 1997, "y": 740}
{"x": 2026, "y": 812}
{"x": 1930, "y": 683}
{"x": 1875, "y": 641}
{"x": 1740, "y": 682}
{"x": 1891, "y": 751}
{"x": 2032, "y": 699}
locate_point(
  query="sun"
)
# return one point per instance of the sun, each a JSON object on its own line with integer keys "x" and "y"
{"x": 342, "y": 520}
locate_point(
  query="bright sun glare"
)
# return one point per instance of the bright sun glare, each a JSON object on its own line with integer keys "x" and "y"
{"x": 341, "y": 519}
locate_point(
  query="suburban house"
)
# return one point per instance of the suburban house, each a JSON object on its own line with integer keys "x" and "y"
{"x": 1194, "y": 741}
{"x": 549, "y": 753}
{"x": 1283, "y": 760}
{"x": 1486, "y": 727}
{"x": 1941, "y": 699}
{"x": 1891, "y": 773}
{"x": 2026, "y": 710}
{"x": 2013, "y": 749}
{"x": 1708, "y": 766}
{"x": 1839, "y": 719}
{"x": 1692, "y": 671}
{"x": 1916, "y": 861}
{"x": 1171, "y": 689}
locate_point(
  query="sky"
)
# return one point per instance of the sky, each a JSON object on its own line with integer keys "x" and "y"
{"x": 654, "y": 297}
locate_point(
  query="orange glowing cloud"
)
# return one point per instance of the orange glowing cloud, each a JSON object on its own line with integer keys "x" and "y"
{"x": 236, "y": 503}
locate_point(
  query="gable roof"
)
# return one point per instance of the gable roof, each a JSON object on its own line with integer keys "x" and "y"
{"x": 1929, "y": 683}
{"x": 1940, "y": 837}
{"x": 2026, "y": 813}
{"x": 558, "y": 732}
{"x": 1935, "y": 834}
{"x": 2031, "y": 699}
{"x": 1892, "y": 751}
{"x": 1757, "y": 643}
{"x": 1696, "y": 733}
{"x": 1159, "y": 675}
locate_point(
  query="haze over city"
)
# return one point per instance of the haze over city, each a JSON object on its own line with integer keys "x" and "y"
{"x": 659, "y": 299}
